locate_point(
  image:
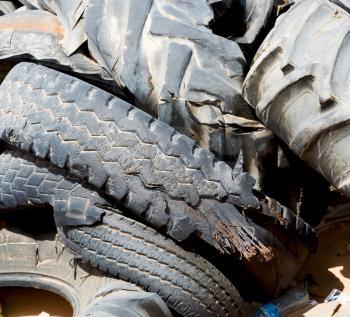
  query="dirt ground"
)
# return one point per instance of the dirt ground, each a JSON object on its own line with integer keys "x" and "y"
{"x": 329, "y": 267}
{"x": 24, "y": 302}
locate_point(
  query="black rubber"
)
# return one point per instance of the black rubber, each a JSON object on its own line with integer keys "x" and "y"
{"x": 156, "y": 172}
{"x": 166, "y": 55}
{"x": 133, "y": 252}
{"x": 166, "y": 59}
{"x": 298, "y": 85}
{"x": 26, "y": 180}
{"x": 44, "y": 263}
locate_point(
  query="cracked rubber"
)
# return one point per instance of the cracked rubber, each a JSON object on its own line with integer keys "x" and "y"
{"x": 157, "y": 173}
{"x": 44, "y": 263}
{"x": 133, "y": 252}
{"x": 26, "y": 180}
{"x": 298, "y": 85}
{"x": 166, "y": 55}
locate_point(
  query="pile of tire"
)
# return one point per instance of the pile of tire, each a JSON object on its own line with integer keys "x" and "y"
{"x": 171, "y": 141}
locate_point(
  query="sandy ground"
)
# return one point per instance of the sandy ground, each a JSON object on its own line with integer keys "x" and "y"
{"x": 22, "y": 302}
{"x": 329, "y": 267}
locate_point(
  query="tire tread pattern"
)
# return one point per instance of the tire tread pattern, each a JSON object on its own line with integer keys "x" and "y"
{"x": 158, "y": 173}
{"x": 129, "y": 250}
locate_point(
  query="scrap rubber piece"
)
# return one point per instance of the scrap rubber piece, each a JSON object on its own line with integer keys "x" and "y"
{"x": 44, "y": 263}
{"x": 165, "y": 54}
{"x": 157, "y": 173}
{"x": 45, "y": 33}
{"x": 28, "y": 180}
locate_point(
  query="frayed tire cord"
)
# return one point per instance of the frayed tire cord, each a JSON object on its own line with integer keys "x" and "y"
{"x": 117, "y": 245}
{"x": 158, "y": 174}
{"x": 26, "y": 180}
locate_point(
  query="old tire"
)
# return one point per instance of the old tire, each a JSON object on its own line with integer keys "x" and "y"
{"x": 300, "y": 92}
{"x": 45, "y": 264}
{"x": 131, "y": 251}
{"x": 26, "y": 180}
{"x": 206, "y": 82}
{"x": 142, "y": 164}
{"x": 135, "y": 252}
{"x": 157, "y": 173}
{"x": 194, "y": 97}
{"x": 256, "y": 15}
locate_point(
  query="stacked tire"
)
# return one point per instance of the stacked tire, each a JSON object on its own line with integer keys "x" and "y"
{"x": 145, "y": 197}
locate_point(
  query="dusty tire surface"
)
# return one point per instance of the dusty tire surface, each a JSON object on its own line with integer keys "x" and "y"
{"x": 45, "y": 33}
{"x": 133, "y": 252}
{"x": 6, "y": 7}
{"x": 70, "y": 16}
{"x": 44, "y": 263}
{"x": 154, "y": 171}
{"x": 300, "y": 92}
{"x": 26, "y": 180}
{"x": 164, "y": 54}
{"x": 200, "y": 77}
{"x": 256, "y": 14}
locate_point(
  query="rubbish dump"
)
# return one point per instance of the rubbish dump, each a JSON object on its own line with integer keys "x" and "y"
{"x": 177, "y": 157}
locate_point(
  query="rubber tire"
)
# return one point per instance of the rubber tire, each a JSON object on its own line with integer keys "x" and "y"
{"x": 257, "y": 13}
{"x": 169, "y": 59}
{"x": 133, "y": 252}
{"x": 26, "y": 180}
{"x": 142, "y": 255}
{"x": 44, "y": 263}
{"x": 157, "y": 173}
{"x": 291, "y": 70}
{"x": 195, "y": 96}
